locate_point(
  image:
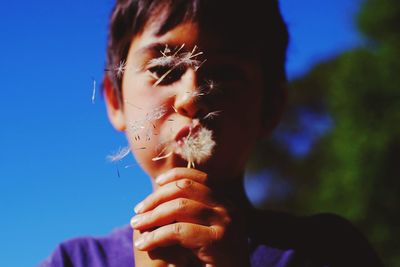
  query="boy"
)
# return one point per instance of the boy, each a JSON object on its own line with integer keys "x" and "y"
{"x": 196, "y": 83}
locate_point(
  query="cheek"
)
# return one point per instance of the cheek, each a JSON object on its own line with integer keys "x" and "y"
{"x": 146, "y": 111}
{"x": 236, "y": 132}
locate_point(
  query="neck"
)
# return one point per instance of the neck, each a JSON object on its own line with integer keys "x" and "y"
{"x": 232, "y": 191}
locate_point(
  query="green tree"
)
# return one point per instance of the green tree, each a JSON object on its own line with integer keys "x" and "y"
{"x": 354, "y": 170}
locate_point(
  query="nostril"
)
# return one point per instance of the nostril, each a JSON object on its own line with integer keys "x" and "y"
{"x": 184, "y": 111}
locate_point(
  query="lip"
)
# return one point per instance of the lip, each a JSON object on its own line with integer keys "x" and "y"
{"x": 186, "y": 131}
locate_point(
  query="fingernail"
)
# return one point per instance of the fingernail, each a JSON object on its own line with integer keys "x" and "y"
{"x": 139, "y": 207}
{"x": 139, "y": 243}
{"x": 161, "y": 178}
{"x": 136, "y": 220}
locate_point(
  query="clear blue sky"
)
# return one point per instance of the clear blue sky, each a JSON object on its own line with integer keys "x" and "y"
{"x": 55, "y": 183}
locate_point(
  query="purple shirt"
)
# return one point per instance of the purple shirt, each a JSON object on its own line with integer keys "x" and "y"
{"x": 115, "y": 250}
{"x": 275, "y": 239}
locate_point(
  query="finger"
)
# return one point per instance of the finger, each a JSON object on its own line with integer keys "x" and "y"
{"x": 187, "y": 235}
{"x": 179, "y": 173}
{"x": 183, "y": 188}
{"x": 176, "y": 210}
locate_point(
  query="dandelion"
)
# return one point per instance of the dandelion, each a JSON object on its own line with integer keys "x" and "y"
{"x": 196, "y": 148}
{"x": 119, "y": 155}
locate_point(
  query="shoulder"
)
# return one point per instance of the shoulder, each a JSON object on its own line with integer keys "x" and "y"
{"x": 320, "y": 240}
{"x": 333, "y": 239}
{"x": 114, "y": 249}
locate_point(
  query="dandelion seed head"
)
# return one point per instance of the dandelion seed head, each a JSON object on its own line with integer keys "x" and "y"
{"x": 197, "y": 147}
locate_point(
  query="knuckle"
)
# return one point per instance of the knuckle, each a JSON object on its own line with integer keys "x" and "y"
{"x": 178, "y": 229}
{"x": 151, "y": 215}
{"x": 150, "y": 237}
{"x": 223, "y": 213}
{"x": 184, "y": 183}
{"x": 216, "y": 234}
{"x": 173, "y": 173}
{"x": 205, "y": 177}
{"x": 182, "y": 204}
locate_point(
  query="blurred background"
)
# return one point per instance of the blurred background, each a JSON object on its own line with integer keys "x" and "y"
{"x": 337, "y": 149}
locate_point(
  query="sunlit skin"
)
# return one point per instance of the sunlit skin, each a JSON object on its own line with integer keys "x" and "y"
{"x": 185, "y": 218}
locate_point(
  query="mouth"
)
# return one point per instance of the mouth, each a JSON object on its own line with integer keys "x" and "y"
{"x": 187, "y": 131}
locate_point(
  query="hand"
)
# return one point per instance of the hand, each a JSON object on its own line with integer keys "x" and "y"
{"x": 184, "y": 212}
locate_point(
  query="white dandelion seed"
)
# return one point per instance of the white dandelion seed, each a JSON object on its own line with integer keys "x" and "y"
{"x": 120, "y": 69}
{"x": 136, "y": 126}
{"x": 153, "y": 75}
{"x": 94, "y": 91}
{"x": 164, "y": 76}
{"x": 166, "y": 50}
{"x": 164, "y": 61}
{"x": 162, "y": 155}
{"x": 212, "y": 115}
{"x": 197, "y": 67}
{"x": 119, "y": 155}
{"x": 179, "y": 49}
{"x": 173, "y": 61}
{"x": 211, "y": 85}
{"x": 156, "y": 114}
{"x": 131, "y": 104}
{"x": 195, "y": 94}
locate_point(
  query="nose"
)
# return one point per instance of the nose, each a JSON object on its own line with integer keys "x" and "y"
{"x": 187, "y": 99}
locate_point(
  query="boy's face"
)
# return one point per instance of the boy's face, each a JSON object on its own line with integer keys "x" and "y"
{"x": 152, "y": 116}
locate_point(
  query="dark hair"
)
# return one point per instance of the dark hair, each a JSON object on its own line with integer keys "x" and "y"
{"x": 259, "y": 19}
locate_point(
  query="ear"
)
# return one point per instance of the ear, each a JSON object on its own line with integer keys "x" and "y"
{"x": 274, "y": 110}
{"x": 114, "y": 106}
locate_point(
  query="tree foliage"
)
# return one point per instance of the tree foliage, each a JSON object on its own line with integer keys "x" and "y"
{"x": 354, "y": 169}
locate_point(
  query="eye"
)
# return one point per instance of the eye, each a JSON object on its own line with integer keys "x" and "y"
{"x": 166, "y": 75}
